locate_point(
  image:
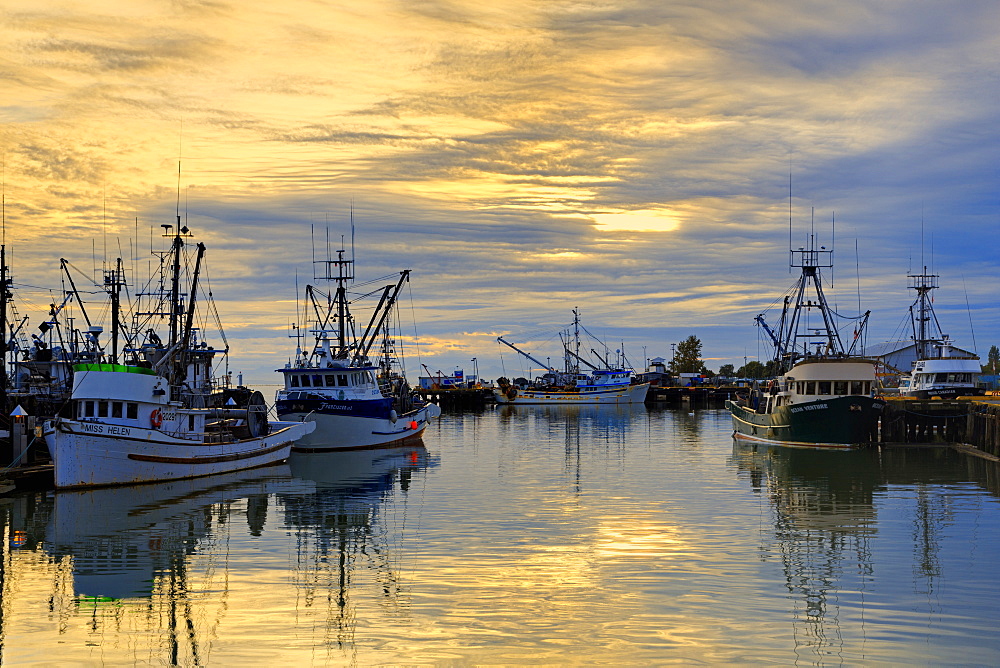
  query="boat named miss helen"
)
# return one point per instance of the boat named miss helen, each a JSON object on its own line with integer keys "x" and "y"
{"x": 162, "y": 415}
{"x": 824, "y": 395}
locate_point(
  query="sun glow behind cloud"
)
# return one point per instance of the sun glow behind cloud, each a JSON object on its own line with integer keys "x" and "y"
{"x": 644, "y": 220}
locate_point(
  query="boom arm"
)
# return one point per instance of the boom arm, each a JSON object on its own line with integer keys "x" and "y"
{"x": 516, "y": 349}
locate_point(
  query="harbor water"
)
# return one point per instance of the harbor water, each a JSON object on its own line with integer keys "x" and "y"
{"x": 529, "y": 535}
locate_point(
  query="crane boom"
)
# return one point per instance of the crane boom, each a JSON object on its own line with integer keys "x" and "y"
{"x": 516, "y": 349}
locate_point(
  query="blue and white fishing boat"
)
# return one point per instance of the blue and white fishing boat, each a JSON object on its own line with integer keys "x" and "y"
{"x": 354, "y": 402}
{"x": 162, "y": 415}
{"x": 604, "y": 384}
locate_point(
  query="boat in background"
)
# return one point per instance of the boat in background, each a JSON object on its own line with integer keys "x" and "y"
{"x": 353, "y": 401}
{"x": 824, "y": 395}
{"x": 162, "y": 415}
{"x": 603, "y": 384}
{"x": 939, "y": 370}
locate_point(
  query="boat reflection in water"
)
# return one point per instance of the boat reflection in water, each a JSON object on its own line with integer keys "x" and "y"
{"x": 145, "y": 569}
{"x": 131, "y": 541}
{"x": 351, "y": 525}
{"x": 828, "y": 509}
{"x": 176, "y": 571}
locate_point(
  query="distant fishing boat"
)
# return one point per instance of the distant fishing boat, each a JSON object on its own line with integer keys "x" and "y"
{"x": 41, "y": 369}
{"x": 162, "y": 415}
{"x": 939, "y": 370}
{"x": 824, "y": 395}
{"x": 604, "y": 383}
{"x": 354, "y": 402}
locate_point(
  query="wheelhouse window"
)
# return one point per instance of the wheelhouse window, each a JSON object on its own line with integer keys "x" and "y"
{"x": 342, "y": 379}
{"x": 102, "y": 409}
{"x": 840, "y": 387}
{"x": 86, "y": 408}
{"x": 116, "y": 409}
{"x": 331, "y": 380}
{"x": 293, "y": 381}
{"x": 858, "y": 387}
{"x": 317, "y": 380}
{"x": 305, "y": 381}
{"x": 824, "y": 387}
{"x": 811, "y": 387}
{"x": 132, "y": 410}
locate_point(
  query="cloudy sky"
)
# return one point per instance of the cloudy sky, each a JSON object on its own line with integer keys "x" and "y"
{"x": 522, "y": 158}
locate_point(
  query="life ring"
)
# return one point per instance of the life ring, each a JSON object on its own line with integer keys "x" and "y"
{"x": 156, "y": 418}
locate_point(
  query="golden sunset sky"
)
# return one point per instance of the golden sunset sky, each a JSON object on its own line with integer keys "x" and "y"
{"x": 631, "y": 159}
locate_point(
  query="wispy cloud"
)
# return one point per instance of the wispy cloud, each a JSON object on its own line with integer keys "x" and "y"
{"x": 522, "y": 158}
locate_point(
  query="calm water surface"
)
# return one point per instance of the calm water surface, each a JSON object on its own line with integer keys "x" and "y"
{"x": 521, "y": 536}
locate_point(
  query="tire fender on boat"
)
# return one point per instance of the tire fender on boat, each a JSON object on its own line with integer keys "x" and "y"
{"x": 156, "y": 418}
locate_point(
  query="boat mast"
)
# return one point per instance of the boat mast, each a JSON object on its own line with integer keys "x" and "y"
{"x": 576, "y": 337}
{"x": 113, "y": 282}
{"x": 381, "y": 313}
{"x": 180, "y": 366}
{"x": 922, "y": 317}
{"x": 340, "y": 271}
{"x": 797, "y": 336}
{"x": 5, "y": 296}
{"x": 175, "y": 286}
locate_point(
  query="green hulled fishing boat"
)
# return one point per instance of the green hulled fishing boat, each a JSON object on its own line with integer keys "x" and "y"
{"x": 824, "y": 394}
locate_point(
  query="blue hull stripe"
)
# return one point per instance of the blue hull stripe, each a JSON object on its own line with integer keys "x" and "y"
{"x": 376, "y": 408}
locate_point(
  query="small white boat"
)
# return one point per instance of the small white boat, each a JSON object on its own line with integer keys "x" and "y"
{"x": 945, "y": 375}
{"x": 605, "y": 384}
{"x": 353, "y": 402}
{"x": 163, "y": 416}
{"x": 939, "y": 370}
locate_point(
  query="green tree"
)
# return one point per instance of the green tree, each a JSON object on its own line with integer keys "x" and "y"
{"x": 727, "y": 370}
{"x": 753, "y": 370}
{"x": 687, "y": 357}
{"x": 992, "y": 362}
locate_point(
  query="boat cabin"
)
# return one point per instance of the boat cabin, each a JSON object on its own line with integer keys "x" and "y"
{"x": 340, "y": 382}
{"x": 813, "y": 381}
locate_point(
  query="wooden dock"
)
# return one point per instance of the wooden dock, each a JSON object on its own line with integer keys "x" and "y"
{"x": 696, "y": 396}
{"x": 971, "y": 424}
{"x": 458, "y": 398}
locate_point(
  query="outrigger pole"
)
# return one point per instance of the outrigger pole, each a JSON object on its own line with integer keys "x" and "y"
{"x": 516, "y": 349}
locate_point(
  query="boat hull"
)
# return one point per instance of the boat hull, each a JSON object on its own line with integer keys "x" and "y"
{"x": 336, "y": 432}
{"x": 836, "y": 422}
{"x": 88, "y": 454}
{"x": 631, "y": 394}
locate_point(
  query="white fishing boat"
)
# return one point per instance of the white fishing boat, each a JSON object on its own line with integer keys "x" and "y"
{"x": 353, "y": 401}
{"x": 604, "y": 384}
{"x": 162, "y": 415}
{"x": 940, "y": 369}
